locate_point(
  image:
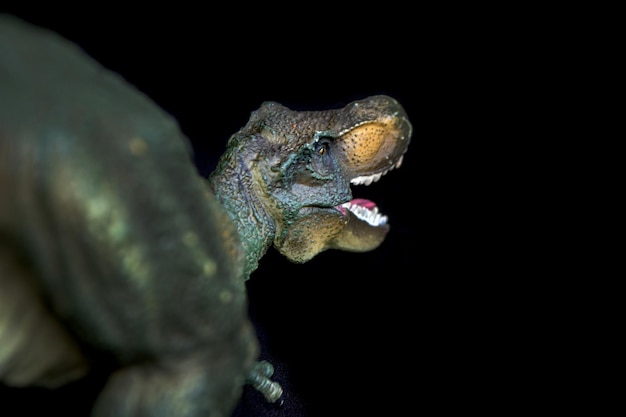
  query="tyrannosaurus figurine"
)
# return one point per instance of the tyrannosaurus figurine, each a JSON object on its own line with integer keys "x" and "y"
{"x": 113, "y": 248}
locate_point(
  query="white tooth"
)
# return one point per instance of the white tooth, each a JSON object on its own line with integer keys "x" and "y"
{"x": 359, "y": 180}
{"x": 373, "y": 217}
{"x": 367, "y": 180}
{"x": 399, "y": 161}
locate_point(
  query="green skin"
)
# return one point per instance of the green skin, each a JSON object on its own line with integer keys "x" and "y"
{"x": 114, "y": 249}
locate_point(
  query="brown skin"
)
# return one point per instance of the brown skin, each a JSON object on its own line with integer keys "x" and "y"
{"x": 297, "y": 167}
{"x": 113, "y": 248}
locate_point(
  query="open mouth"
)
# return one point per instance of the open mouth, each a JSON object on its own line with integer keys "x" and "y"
{"x": 364, "y": 209}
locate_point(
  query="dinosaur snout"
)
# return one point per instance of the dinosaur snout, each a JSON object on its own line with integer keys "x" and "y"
{"x": 377, "y": 141}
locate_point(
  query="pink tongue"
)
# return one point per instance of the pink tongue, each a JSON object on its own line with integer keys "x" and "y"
{"x": 363, "y": 203}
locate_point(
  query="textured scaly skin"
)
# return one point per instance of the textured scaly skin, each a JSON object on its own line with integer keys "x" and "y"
{"x": 114, "y": 249}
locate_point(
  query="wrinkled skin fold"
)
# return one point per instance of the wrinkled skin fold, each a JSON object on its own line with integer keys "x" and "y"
{"x": 114, "y": 250}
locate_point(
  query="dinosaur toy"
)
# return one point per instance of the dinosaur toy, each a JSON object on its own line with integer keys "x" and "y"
{"x": 114, "y": 250}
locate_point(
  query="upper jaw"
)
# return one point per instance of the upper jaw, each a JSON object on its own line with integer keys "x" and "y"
{"x": 368, "y": 179}
{"x": 373, "y": 139}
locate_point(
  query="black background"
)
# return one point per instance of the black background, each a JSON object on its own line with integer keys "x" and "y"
{"x": 389, "y": 332}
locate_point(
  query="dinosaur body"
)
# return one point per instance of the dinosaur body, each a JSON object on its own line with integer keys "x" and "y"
{"x": 114, "y": 249}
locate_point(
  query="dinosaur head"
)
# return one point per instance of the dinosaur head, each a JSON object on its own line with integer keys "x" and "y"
{"x": 301, "y": 165}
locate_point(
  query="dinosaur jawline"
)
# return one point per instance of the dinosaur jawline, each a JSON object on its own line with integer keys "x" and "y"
{"x": 365, "y": 227}
{"x": 368, "y": 179}
{"x": 364, "y": 210}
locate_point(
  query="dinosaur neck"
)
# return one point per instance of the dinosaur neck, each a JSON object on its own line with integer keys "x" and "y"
{"x": 233, "y": 184}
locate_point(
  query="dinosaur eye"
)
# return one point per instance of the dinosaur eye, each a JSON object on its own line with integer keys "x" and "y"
{"x": 322, "y": 160}
{"x": 322, "y": 145}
